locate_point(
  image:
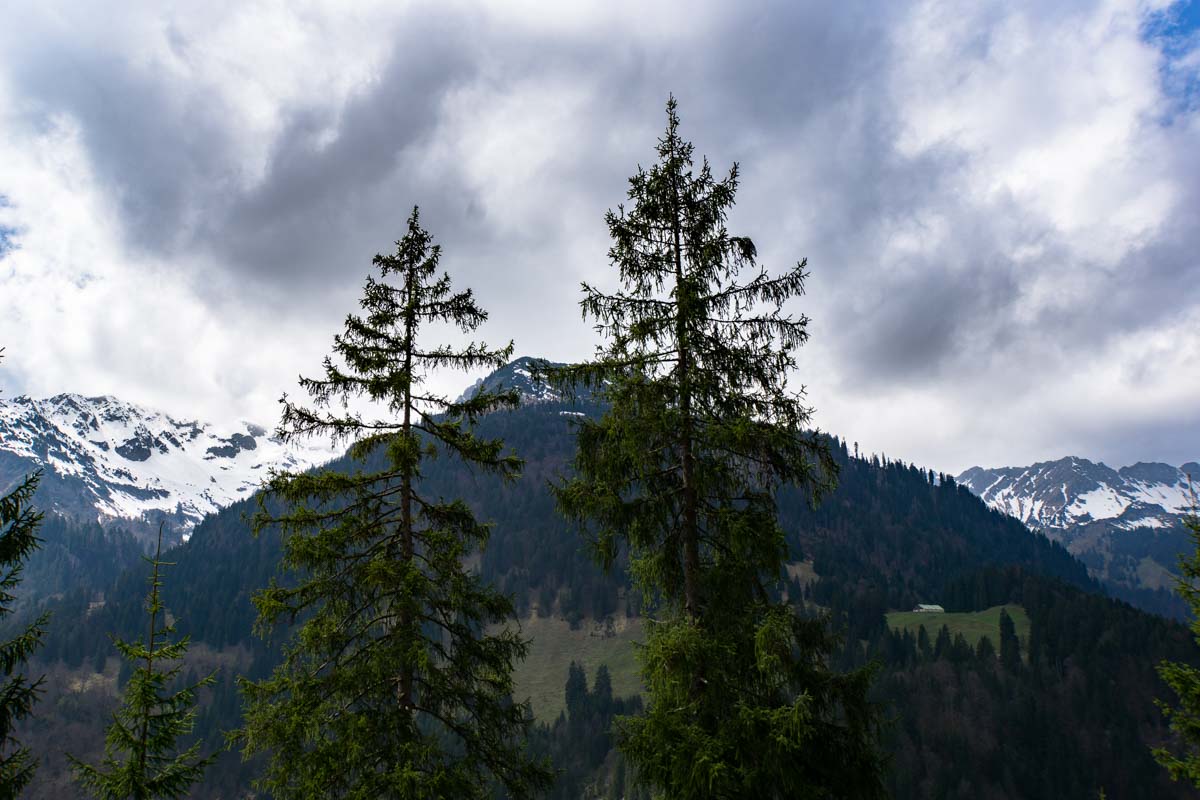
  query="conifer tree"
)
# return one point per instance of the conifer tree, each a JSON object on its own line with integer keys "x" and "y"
{"x": 1184, "y": 679}
{"x": 682, "y": 470}
{"x": 18, "y": 539}
{"x": 1010, "y": 645}
{"x": 398, "y": 682}
{"x": 142, "y": 759}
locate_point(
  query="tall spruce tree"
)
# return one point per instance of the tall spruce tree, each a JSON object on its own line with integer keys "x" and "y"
{"x": 18, "y": 540}
{"x": 1184, "y": 679}
{"x": 682, "y": 469}
{"x": 398, "y": 682}
{"x": 142, "y": 758}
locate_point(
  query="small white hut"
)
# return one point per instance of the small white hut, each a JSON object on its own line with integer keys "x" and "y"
{"x": 924, "y": 608}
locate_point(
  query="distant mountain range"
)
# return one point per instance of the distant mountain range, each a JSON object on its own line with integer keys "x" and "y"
{"x": 1125, "y": 524}
{"x": 109, "y": 460}
{"x": 106, "y": 459}
{"x": 1063, "y": 494}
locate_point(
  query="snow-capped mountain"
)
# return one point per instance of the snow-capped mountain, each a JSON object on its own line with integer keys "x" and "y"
{"x": 104, "y": 458}
{"x": 1124, "y": 524}
{"x": 108, "y": 459}
{"x": 517, "y": 374}
{"x": 1074, "y": 491}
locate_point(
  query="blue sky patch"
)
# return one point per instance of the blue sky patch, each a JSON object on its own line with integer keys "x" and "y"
{"x": 7, "y": 235}
{"x": 1175, "y": 30}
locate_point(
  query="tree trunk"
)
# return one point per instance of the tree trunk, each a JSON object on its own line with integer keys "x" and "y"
{"x": 406, "y": 519}
{"x": 145, "y": 732}
{"x": 691, "y": 533}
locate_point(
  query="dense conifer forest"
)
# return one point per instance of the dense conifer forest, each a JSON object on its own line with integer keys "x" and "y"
{"x": 78, "y": 559}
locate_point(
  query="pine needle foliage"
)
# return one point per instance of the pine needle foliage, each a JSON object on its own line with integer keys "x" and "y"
{"x": 18, "y": 539}
{"x": 397, "y": 683}
{"x": 142, "y": 759}
{"x": 1184, "y": 679}
{"x": 682, "y": 470}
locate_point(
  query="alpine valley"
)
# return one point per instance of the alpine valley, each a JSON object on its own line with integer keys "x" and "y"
{"x": 1033, "y": 683}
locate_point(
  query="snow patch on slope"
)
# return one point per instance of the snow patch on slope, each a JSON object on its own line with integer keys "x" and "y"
{"x": 1074, "y": 491}
{"x": 131, "y": 462}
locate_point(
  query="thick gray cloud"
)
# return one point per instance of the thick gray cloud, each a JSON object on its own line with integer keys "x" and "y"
{"x": 998, "y": 204}
{"x": 155, "y": 152}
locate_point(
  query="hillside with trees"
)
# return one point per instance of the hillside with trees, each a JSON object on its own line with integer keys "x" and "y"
{"x": 886, "y": 538}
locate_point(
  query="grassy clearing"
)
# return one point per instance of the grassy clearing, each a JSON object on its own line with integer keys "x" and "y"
{"x": 972, "y": 625}
{"x": 543, "y": 675}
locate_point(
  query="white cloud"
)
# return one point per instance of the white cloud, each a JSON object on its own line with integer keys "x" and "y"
{"x": 998, "y": 199}
{"x": 81, "y": 313}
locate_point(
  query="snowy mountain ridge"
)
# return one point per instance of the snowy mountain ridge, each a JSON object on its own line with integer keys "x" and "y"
{"x": 1125, "y": 524}
{"x": 108, "y": 459}
{"x": 1074, "y": 491}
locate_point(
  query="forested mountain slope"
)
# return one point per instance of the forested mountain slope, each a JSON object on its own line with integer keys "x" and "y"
{"x": 1071, "y": 716}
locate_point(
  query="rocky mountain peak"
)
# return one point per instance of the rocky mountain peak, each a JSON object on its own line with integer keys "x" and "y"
{"x": 516, "y": 374}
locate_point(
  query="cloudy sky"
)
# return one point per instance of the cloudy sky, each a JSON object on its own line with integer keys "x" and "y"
{"x": 999, "y": 201}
